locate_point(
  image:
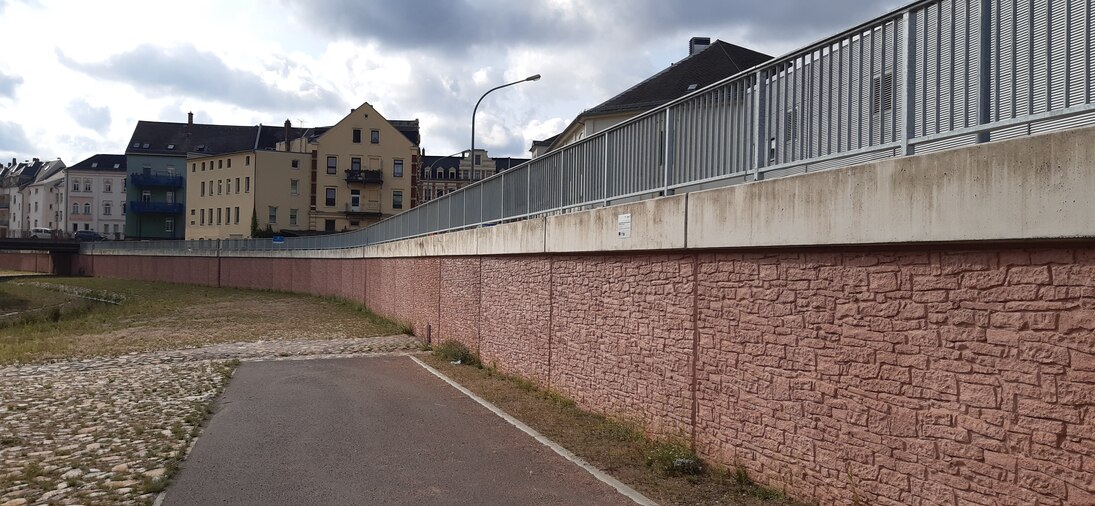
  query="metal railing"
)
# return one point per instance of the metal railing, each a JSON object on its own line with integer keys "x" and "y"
{"x": 932, "y": 75}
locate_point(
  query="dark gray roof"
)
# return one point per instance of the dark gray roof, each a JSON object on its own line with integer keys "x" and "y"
{"x": 441, "y": 162}
{"x": 178, "y": 139}
{"x": 502, "y": 164}
{"x": 548, "y": 141}
{"x": 409, "y": 129}
{"x": 102, "y": 162}
{"x": 713, "y": 64}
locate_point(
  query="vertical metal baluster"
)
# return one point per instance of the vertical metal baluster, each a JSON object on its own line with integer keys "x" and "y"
{"x": 908, "y": 92}
{"x": 983, "y": 78}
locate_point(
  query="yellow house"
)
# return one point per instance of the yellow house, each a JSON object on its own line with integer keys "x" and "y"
{"x": 329, "y": 179}
{"x": 363, "y": 168}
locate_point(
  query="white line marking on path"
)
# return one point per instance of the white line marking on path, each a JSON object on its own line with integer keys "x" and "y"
{"x": 620, "y": 487}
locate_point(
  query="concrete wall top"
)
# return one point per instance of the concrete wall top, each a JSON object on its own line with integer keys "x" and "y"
{"x": 646, "y": 225}
{"x": 1029, "y": 188}
{"x": 526, "y": 236}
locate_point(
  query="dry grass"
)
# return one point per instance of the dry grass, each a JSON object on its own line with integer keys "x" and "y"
{"x": 158, "y": 316}
{"x": 617, "y": 448}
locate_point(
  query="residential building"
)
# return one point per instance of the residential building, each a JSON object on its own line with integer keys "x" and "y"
{"x": 29, "y": 196}
{"x": 95, "y": 196}
{"x": 319, "y": 180}
{"x": 156, "y": 156}
{"x": 226, "y": 194}
{"x": 707, "y": 63}
{"x": 361, "y": 170}
{"x": 441, "y": 175}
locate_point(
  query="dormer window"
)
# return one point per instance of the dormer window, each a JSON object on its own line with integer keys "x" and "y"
{"x": 145, "y": 145}
{"x": 94, "y": 164}
{"x": 136, "y": 144}
{"x": 170, "y": 146}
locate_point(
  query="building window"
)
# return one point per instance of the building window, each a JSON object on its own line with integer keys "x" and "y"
{"x": 202, "y": 214}
{"x": 124, "y": 181}
{"x": 374, "y": 136}
{"x": 328, "y": 225}
{"x": 75, "y": 208}
{"x": 169, "y": 225}
{"x": 357, "y": 136}
{"x": 75, "y": 227}
{"x": 203, "y": 189}
{"x": 220, "y": 164}
{"x": 332, "y": 165}
{"x": 106, "y": 229}
{"x": 203, "y": 166}
{"x": 237, "y": 217}
{"x": 106, "y": 208}
{"x": 228, "y": 184}
{"x": 75, "y": 185}
{"x": 247, "y": 160}
{"x": 87, "y": 185}
{"x": 123, "y": 208}
{"x": 355, "y": 165}
{"x": 330, "y": 197}
{"x": 273, "y": 214}
{"x": 295, "y": 164}
{"x": 293, "y": 183}
{"x": 292, "y": 216}
{"x": 397, "y": 199}
{"x": 237, "y": 186}
{"x": 397, "y": 169}
{"x": 170, "y": 197}
{"x": 428, "y": 194}
{"x": 220, "y": 187}
{"x": 227, "y": 215}
{"x": 247, "y": 184}
{"x": 108, "y": 185}
{"x": 193, "y": 167}
{"x": 87, "y": 208}
{"x": 229, "y": 163}
{"x": 219, "y": 216}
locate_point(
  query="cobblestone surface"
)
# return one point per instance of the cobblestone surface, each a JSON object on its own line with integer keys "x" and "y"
{"x": 110, "y": 430}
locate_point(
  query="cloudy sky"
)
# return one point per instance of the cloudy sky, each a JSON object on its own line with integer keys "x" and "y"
{"x": 76, "y": 76}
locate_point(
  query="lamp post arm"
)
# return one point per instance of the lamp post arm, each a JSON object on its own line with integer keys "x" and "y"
{"x": 476, "y": 109}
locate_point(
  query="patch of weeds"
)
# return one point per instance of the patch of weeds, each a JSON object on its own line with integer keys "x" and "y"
{"x": 741, "y": 476}
{"x": 177, "y": 430}
{"x": 673, "y": 459}
{"x": 455, "y": 352}
{"x": 32, "y": 470}
{"x": 153, "y": 485}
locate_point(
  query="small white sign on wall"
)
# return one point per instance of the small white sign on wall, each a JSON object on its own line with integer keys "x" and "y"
{"x": 623, "y": 226}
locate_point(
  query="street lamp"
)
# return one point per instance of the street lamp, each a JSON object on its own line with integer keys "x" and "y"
{"x": 529, "y": 78}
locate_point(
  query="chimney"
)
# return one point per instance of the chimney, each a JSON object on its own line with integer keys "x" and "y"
{"x": 698, "y": 44}
{"x": 288, "y": 125}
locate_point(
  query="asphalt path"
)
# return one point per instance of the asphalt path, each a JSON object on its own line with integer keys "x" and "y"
{"x": 372, "y": 430}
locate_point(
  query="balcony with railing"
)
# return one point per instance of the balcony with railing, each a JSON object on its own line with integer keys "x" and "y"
{"x": 155, "y": 208}
{"x": 365, "y": 176}
{"x": 156, "y": 180}
{"x": 370, "y": 208}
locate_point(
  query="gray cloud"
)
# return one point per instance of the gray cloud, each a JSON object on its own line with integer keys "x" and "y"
{"x": 14, "y": 140}
{"x": 459, "y": 25}
{"x": 189, "y": 72}
{"x": 9, "y": 83}
{"x": 94, "y": 118}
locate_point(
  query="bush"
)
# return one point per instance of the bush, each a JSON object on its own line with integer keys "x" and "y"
{"x": 673, "y": 459}
{"x": 455, "y": 351}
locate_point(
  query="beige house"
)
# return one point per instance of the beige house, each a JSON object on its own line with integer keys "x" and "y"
{"x": 224, "y": 191}
{"x": 331, "y": 179}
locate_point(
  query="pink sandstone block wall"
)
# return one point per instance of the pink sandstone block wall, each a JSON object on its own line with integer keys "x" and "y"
{"x": 404, "y": 290}
{"x": 25, "y": 262}
{"x": 516, "y": 315}
{"x": 458, "y": 301}
{"x": 622, "y": 335}
{"x": 932, "y": 375}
